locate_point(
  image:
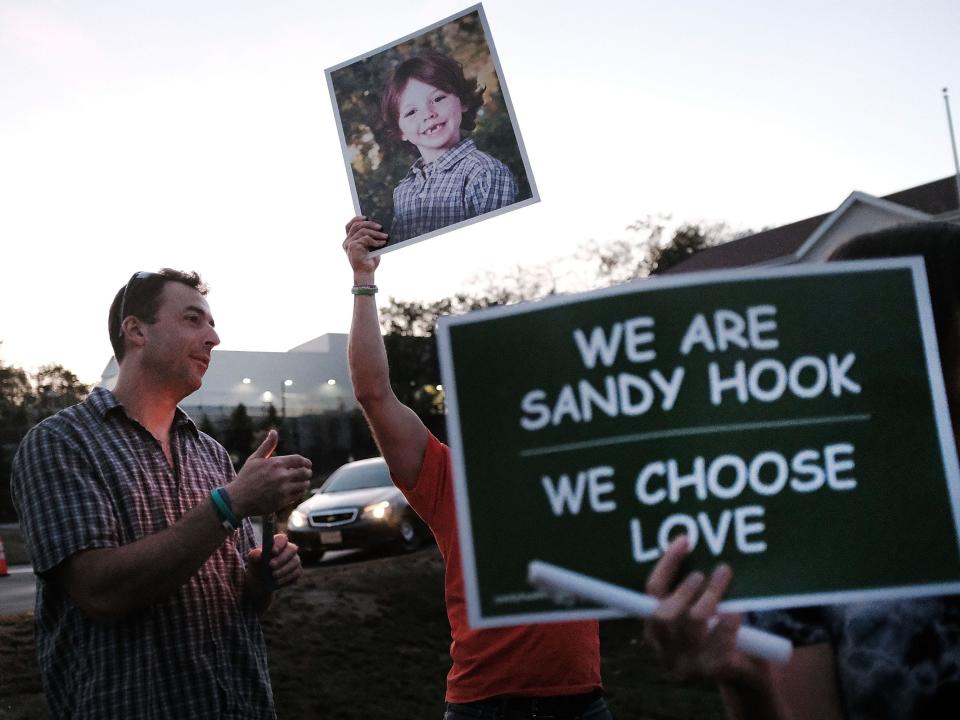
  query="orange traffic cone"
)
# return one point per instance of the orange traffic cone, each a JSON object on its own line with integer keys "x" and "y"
{"x": 3, "y": 560}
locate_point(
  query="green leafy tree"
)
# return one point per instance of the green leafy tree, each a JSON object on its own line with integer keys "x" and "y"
{"x": 419, "y": 318}
{"x": 207, "y": 426}
{"x": 362, "y": 444}
{"x": 16, "y": 393}
{"x": 271, "y": 419}
{"x": 288, "y": 440}
{"x": 687, "y": 240}
{"x": 55, "y": 388}
{"x": 414, "y": 368}
{"x": 408, "y": 325}
{"x": 644, "y": 252}
{"x": 25, "y": 399}
{"x": 238, "y": 437}
{"x": 408, "y": 328}
{"x": 649, "y": 249}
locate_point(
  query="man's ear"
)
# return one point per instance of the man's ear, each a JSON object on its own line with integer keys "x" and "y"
{"x": 133, "y": 331}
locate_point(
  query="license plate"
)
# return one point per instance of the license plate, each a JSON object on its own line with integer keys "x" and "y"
{"x": 332, "y": 537}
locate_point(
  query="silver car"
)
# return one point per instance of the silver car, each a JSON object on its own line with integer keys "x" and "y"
{"x": 357, "y": 507}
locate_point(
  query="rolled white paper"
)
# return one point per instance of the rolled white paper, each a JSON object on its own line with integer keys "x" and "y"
{"x": 557, "y": 580}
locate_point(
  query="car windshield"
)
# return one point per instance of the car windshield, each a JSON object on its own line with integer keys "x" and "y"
{"x": 354, "y": 477}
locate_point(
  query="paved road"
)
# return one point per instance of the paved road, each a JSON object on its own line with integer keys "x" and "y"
{"x": 17, "y": 590}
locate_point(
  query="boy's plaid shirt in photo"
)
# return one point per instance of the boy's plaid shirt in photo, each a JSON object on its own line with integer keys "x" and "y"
{"x": 462, "y": 183}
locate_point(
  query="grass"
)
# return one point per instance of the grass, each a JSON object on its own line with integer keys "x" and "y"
{"x": 368, "y": 637}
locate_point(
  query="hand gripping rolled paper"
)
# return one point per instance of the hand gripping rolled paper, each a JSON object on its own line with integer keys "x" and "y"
{"x": 554, "y": 579}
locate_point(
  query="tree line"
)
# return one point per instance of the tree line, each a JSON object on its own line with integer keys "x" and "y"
{"x": 650, "y": 247}
{"x": 26, "y": 398}
{"x": 329, "y": 439}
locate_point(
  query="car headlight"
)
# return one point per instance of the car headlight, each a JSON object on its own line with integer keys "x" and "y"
{"x": 297, "y": 519}
{"x": 378, "y": 511}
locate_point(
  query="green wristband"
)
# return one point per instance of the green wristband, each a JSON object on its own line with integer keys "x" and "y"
{"x": 221, "y": 505}
{"x": 364, "y": 289}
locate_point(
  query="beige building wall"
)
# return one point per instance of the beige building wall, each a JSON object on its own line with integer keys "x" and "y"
{"x": 309, "y": 379}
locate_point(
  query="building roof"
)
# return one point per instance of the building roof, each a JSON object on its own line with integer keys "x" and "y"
{"x": 933, "y": 199}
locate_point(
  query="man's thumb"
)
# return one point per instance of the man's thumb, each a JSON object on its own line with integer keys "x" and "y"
{"x": 267, "y": 447}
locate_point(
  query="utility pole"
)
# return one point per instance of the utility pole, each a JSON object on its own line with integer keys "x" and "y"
{"x": 953, "y": 143}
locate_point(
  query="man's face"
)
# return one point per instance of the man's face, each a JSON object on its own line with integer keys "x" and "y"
{"x": 429, "y": 118}
{"x": 179, "y": 343}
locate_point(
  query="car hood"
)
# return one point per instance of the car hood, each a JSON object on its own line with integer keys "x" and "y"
{"x": 348, "y": 498}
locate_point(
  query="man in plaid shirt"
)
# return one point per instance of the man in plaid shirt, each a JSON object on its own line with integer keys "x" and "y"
{"x": 148, "y": 590}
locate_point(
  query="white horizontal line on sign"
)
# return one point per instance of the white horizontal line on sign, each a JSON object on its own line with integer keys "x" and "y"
{"x": 697, "y": 430}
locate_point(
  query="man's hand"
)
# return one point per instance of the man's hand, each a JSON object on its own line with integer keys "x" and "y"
{"x": 363, "y": 235}
{"x": 266, "y": 484}
{"x": 284, "y": 563}
{"x": 284, "y": 566}
{"x": 688, "y": 643}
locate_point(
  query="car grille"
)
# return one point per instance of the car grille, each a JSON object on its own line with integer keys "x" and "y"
{"x": 332, "y": 518}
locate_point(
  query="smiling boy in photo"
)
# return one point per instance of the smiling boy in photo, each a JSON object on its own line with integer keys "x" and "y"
{"x": 429, "y": 103}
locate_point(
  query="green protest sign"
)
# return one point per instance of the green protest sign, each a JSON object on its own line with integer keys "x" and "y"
{"x": 792, "y": 422}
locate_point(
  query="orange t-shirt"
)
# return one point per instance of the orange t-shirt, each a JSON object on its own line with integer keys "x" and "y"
{"x": 526, "y": 660}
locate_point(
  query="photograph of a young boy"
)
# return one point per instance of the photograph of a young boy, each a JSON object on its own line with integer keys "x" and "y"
{"x": 430, "y": 104}
{"x": 428, "y": 133}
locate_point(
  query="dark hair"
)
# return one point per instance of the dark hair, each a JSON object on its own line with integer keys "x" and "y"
{"x": 141, "y": 298}
{"x": 434, "y": 69}
{"x": 938, "y": 243}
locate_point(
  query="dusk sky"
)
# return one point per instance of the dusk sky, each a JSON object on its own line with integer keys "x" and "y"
{"x": 200, "y": 135}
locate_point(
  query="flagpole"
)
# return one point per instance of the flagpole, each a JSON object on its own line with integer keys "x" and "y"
{"x": 953, "y": 143}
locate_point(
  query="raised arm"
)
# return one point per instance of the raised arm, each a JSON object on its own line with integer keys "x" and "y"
{"x": 400, "y": 435}
{"x": 751, "y": 689}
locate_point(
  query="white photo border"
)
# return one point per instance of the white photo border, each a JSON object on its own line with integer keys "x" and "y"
{"x": 508, "y": 103}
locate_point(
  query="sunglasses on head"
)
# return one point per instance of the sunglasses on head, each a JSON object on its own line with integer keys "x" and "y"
{"x": 134, "y": 279}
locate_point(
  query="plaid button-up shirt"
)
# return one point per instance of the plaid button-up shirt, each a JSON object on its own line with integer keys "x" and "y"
{"x": 462, "y": 183}
{"x": 90, "y": 477}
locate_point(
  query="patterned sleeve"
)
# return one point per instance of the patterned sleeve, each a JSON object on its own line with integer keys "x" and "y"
{"x": 63, "y": 505}
{"x": 492, "y": 186}
{"x": 246, "y": 538}
{"x": 801, "y": 626}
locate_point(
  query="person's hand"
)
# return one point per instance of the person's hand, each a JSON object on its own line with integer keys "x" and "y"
{"x": 284, "y": 562}
{"x": 685, "y": 630}
{"x": 363, "y": 235}
{"x": 267, "y": 484}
